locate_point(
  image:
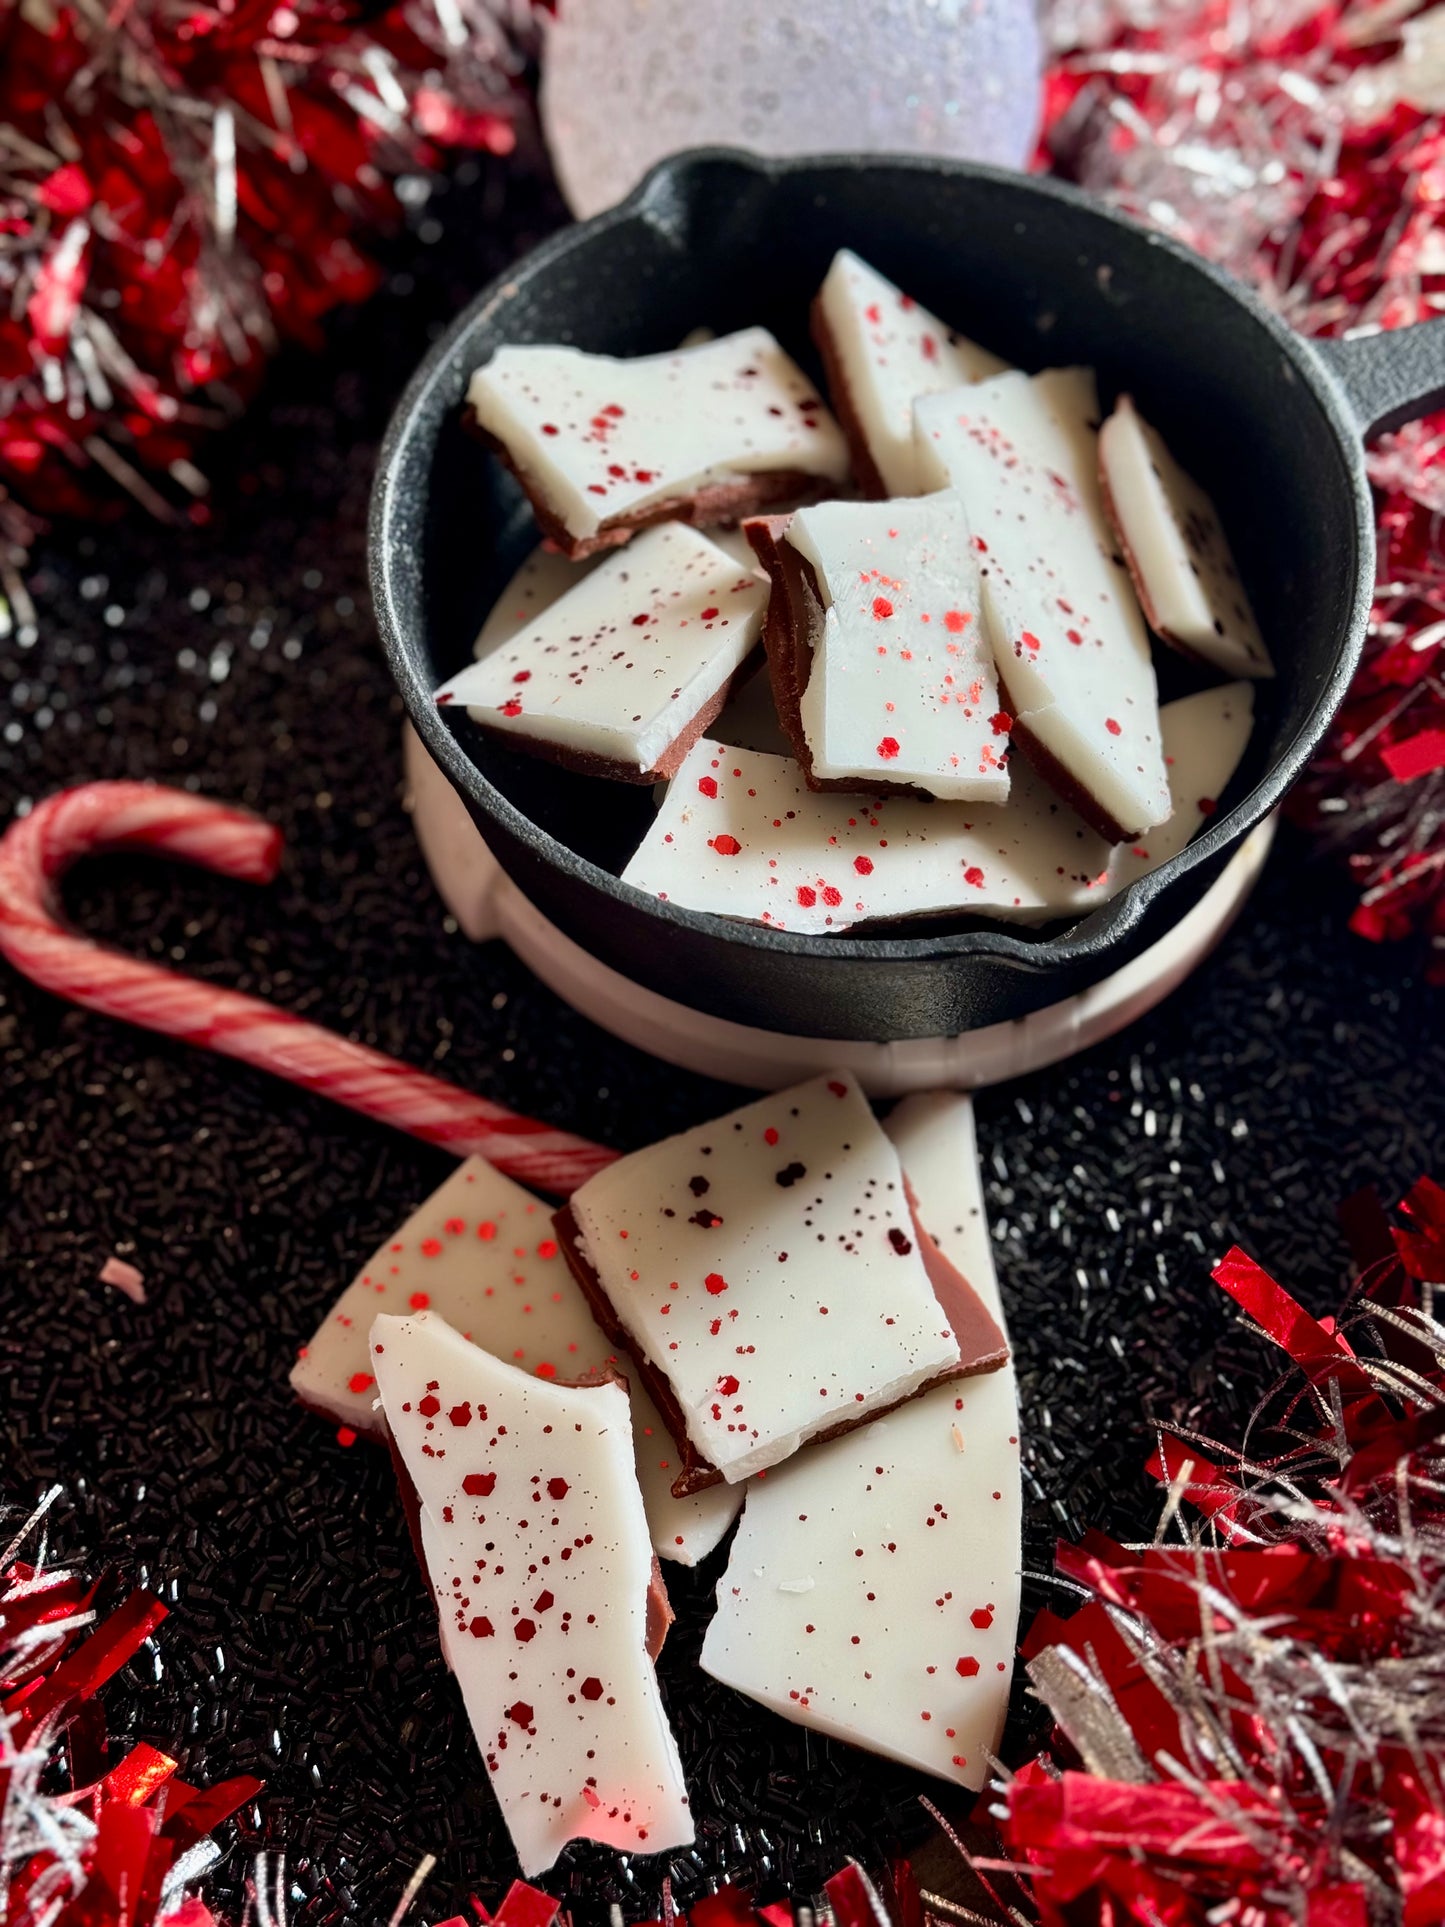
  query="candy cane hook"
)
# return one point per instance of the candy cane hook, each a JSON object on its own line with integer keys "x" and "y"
{"x": 37, "y": 849}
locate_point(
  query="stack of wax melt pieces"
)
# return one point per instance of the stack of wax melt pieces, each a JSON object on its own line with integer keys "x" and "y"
{"x": 961, "y": 716}
{"x": 800, "y": 1291}
{"x": 481, "y": 1253}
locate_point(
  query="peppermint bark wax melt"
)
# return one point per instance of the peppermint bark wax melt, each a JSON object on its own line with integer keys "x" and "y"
{"x": 873, "y": 1587}
{"x": 882, "y": 351}
{"x": 767, "y": 1273}
{"x": 531, "y": 1529}
{"x": 881, "y": 666}
{"x": 741, "y": 835}
{"x": 1069, "y": 641}
{"x": 706, "y": 434}
{"x": 1176, "y": 548}
{"x": 481, "y": 1252}
{"x": 621, "y": 675}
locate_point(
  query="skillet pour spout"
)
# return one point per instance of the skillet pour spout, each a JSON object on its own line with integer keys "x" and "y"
{"x": 1273, "y": 426}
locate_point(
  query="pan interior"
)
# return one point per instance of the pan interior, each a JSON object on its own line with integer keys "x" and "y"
{"x": 1043, "y": 281}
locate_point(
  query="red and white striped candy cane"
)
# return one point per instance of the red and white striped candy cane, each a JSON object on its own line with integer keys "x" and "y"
{"x": 37, "y": 848}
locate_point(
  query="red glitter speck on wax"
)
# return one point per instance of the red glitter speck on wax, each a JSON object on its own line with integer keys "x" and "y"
{"x": 724, "y": 844}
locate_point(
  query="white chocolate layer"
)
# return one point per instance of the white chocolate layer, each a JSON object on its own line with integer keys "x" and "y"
{"x": 891, "y": 352}
{"x": 767, "y": 1264}
{"x": 621, "y": 665}
{"x": 1068, "y": 636}
{"x": 741, "y": 835}
{"x": 537, "y": 1553}
{"x": 481, "y": 1253}
{"x": 902, "y": 687}
{"x": 1205, "y": 736}
{"x": 872, "y": 1591}
{"x": 1177, "y": 550}
{"x": 545, "y": 577}
{"x": 600, "y": 439}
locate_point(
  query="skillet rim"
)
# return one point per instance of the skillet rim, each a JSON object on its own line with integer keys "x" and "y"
{"x": 416, "y": 421}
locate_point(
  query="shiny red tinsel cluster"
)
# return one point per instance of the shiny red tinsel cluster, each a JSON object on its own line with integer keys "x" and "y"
{"x": 87, "y": 1840}
{"x": 1250, "y": 1714}
{"x": 181, "y": 187}
{"x": 1303, "y": 147}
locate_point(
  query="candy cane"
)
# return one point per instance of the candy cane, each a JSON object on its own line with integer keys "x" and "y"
{"x": 38, "y": 848}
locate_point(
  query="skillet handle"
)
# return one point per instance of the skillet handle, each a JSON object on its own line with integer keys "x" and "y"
{"x": 1389, "y": 378}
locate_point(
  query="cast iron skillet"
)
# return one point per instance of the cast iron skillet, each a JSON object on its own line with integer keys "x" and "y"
{"x": 1273, "y": 425}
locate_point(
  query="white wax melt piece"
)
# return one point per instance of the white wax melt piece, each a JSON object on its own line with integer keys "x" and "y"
{"x": 545, "y": 577}
{"x": 740, "y": 834}
{"x": 1176, "y": 548}
{"x": 600, "y": 441}
{"x": 1205, "y": 736}
{"x": 1069, "y": 640}
{"x": 902, "y": 686}
{"x": 636, "y": 655}
{"x": 536, "y": 1548}
{"x": 767, "y": 1266}
{"x": 883, "y": 352}
{"x": 481, "y": 1252}
{"x": 873, "y": 1587}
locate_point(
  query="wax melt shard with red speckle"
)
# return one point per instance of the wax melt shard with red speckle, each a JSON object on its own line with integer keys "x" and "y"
{"x": 821, "y": 1615}
{"x": 622, "y": 711}
{"x": 728, "y": 411}
{"x": 547, "y": 1587}
{"x": 1021, "y": 453}
{"x": 889, "y": 602}
{"x": 1037, "y": 858}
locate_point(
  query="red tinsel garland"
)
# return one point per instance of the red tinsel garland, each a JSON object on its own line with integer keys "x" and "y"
{"x": 1250, "y": 1716}
{"x": 95, "y": 1841}
{"x": 1303, "y": 147}
{"x": 181, "y": 187}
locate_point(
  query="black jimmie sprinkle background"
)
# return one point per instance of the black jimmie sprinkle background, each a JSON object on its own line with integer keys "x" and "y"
{"x": 240, "y": 660}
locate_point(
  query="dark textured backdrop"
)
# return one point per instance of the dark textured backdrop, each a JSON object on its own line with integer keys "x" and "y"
{"x": 240, "y": 660}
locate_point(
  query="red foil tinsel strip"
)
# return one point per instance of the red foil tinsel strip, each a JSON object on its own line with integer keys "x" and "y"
{"x": 1251, "y": 1721}
{"x": 97, "y": 1853}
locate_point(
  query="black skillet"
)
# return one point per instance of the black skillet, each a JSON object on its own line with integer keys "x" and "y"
{"x": 1273, "y": 425}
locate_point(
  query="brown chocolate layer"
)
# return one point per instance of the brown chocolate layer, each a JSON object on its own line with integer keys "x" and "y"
{"x": 796, "y": 611}
{"x": 715, "y": 505}
{"x": 845, "y": 409}
{"x": 981, "y": 1344}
